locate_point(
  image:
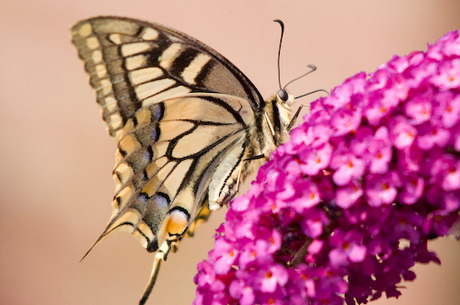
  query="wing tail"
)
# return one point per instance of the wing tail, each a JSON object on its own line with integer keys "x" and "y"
{"x": 97, "y": 242}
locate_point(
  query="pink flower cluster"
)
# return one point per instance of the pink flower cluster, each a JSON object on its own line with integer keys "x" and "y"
{"x": 345, "y": 209}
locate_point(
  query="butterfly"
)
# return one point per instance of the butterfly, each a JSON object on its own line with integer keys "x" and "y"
{"x": 188, "y": 124}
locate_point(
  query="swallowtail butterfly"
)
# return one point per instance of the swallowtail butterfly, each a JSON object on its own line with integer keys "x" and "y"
{"x": 188, "y": 124}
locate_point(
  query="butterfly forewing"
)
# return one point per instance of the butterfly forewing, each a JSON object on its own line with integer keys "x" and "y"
{"x": 133, "y": 64}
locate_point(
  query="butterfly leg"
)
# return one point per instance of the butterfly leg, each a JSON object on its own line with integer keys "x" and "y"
{"x": 239, "y": 176}
{"x": 294, "y": 118}
{"x": 160, "y": 256}
{"x": 153, "y": 277}
{"x": 296, "y": 115}
{"x": 241, "y": 168}
{"x": 202, "y": 217}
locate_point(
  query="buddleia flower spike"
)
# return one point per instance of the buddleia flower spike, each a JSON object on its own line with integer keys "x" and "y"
{"x": 343, "y": 210}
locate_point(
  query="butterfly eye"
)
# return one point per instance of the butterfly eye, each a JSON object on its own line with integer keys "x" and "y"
{"x": 283, "y": 95}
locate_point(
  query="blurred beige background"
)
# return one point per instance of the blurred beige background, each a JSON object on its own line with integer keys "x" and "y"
{"x": 56, "y": 158}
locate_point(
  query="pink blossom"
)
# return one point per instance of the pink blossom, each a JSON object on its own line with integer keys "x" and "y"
{"x": 347, "y": 166}
{"x": 315, "y": 159}
{"x": 272, "y": 277}
{"x": 412, "y": 189}
{"x": 402, "y": 134}
{"x": 449, "y": 75}
{"x": 239, "y": 290}
{"x": 382, "y": 189}
{"x": 418, "y": 109}
{"x": 348, "y": 194}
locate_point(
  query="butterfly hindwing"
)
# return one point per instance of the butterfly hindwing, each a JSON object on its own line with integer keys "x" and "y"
{"x": 167, "y": 161}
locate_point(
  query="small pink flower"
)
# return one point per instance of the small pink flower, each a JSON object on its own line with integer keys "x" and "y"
{"x": 418, "y": 109}
{"x": 313, "y": 225}
{"x": 449, "y": 75}
{"x": 375, "y": 149}
{"x": 348, "y": 195}
{"x": 347, "y": 248}
{"x": 451, "y": 177}
{"x": 309, "y": 198}
{"x": 420, "y": 73}
{"x": 321, "y": 134}
{"x": 451, "y": 46}
{"x": 409, "y": 159}
{"x": 347, "y": 167}
{"x": 225, "y": 258}
{"x": 344, "y": 121}
{"x": 269, "y": 279}
{"x": 451, "y": 202}
{"x": 402, "y": 134}
{"x": 241, "y": 291}
{"x": 381, "y": 189}
{"x": 315, "y": 159}
{"x": 360, "y": 144}
{"x": 431, "y": 136}
{"x": 374, "y": 112}
{"x": 413, "y": 189}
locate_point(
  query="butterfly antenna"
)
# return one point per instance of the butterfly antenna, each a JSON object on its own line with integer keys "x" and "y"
{"x": 294, "y": 118}
{"x": 279, "y": 50}
{"x": 319, "y": 90}
{"x": 312, "y": 69}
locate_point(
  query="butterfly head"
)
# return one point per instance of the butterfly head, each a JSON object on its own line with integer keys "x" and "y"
{"x": 284, "y": 97}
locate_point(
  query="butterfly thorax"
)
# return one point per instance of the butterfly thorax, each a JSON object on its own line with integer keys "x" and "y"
{"x": 278, "y": 115}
